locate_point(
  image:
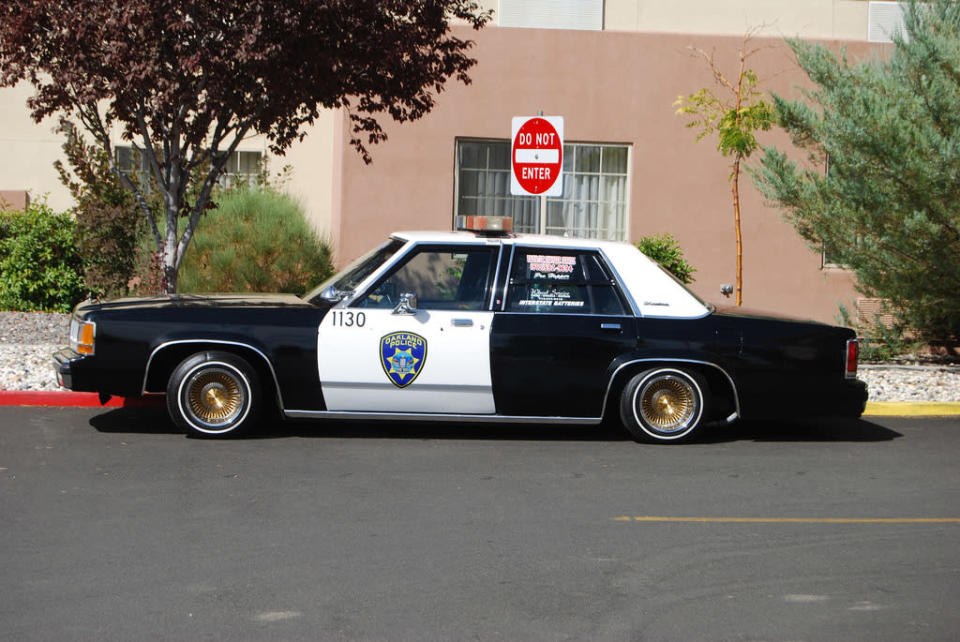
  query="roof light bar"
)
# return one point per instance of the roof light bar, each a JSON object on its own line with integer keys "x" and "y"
{"x": 486, "y": 225}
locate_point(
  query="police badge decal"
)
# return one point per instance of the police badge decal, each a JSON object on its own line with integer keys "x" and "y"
{"x": 402, "y": 355}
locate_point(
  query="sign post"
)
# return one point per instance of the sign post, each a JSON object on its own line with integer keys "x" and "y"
{"x": 536, "y": 156}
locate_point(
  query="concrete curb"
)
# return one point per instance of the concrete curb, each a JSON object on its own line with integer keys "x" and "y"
{"x": 68, "y": 399}
{"x": 912, "y": 409}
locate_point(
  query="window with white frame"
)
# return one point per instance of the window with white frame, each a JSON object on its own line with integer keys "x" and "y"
{"x": 241, "y": 166}
{"x": 594, "y": 203}
{"x": 884, "y": 19}
{"x": 551, "y": 14}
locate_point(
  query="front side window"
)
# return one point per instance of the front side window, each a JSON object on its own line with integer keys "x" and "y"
{"x": 548, "y": 280}
{"x": 448, "y": 278}
{"x": 594, "y": 203}
{"x": 354, "y": 274}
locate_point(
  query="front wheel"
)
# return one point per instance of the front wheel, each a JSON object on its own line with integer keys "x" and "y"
{"x": 664, "y": 404}
{"x": 213, "y": 394}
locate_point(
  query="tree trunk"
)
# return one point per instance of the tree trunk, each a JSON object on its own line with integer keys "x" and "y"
{"x": 170, "y": 247}
{"x": 736, "y": 226}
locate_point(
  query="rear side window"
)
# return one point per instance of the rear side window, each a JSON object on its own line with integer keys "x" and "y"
{"x": 561, "y": 282}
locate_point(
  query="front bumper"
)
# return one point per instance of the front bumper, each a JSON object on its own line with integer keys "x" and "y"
{"x": 64, "y": 363}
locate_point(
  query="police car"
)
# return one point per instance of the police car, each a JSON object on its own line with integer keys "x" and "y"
{"x": 482, "y": 326}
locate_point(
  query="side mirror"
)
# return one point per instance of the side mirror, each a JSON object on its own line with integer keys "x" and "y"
{"x": 331, "y": 294}
{"x": 407, "y": 305}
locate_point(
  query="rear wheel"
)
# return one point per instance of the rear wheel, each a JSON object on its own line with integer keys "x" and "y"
{"x": 214, "y": 394}
{"x": 664, "y": 404}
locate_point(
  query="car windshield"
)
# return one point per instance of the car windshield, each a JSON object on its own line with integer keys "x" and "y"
{"x": 348, "y": 279}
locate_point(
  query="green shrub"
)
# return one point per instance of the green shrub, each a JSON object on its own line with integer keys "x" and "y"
{"x": 40, "y": 267}
{"x": 255, "y": 241}
{"x": 110, "y": 225}
{"x": 109, "y": 240}
{"x": 878, "y": 340}
{"x": 665, "y": 250}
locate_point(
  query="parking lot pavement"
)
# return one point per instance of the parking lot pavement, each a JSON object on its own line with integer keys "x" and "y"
{"x": 113, "y": 526}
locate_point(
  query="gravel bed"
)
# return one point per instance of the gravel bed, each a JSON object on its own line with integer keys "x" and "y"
{"x": 28, "y": 339}
{"x": 27, "y": 343}
{"x": 34, "y": 327}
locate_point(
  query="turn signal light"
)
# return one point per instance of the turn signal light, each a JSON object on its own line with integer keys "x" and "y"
{"x": 853, "y": 354}
{"x": 82, "y": 334}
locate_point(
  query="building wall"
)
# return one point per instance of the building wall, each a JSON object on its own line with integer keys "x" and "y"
{"x": 845, "y": 19}
{"x": 842, "y": 19}
{"x": 611, "y": 87}
{"x": 14, "y": 200}
{"x": 29, "y": 150}
{"x": 310, "y": 164}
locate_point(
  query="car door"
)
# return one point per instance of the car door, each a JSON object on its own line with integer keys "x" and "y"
{"x": 386, "y": 352}
{"x": 560, "y": 325}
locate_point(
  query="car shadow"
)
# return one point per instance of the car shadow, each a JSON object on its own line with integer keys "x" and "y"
{"x": 341, "y": 428}
{"x": 145, "y": 420}
{"x": 155, "y": 421}
{"x": 824, "y": 429}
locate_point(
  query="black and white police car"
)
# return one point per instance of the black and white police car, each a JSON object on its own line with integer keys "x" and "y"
{"x": 467, "y": 326}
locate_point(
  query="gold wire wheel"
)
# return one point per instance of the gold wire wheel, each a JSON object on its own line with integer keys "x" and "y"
{"x": 214, "y": 396}
{"x": 668, "y": 403}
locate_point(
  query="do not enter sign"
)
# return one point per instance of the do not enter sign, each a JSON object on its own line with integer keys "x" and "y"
{"x": 537, "y": 156}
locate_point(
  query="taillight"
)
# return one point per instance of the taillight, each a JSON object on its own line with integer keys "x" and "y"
{"x": 82, "y": 334}
{"x": 853, "y": 354}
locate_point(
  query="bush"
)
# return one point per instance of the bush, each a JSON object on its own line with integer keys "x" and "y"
{"x": 879, "y": 339}
{"x": 665, "y": 250}
{"x": 255, "y": 241}
{"x": 40, "y": 267}
{"x": 109, "y": 222}
{"x": 109, "y": 239}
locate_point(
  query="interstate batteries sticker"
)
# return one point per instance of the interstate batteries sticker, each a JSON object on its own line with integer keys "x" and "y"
{"x": 402, "y": 355}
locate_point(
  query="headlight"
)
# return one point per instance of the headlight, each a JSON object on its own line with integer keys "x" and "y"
{"x": 82, "y": 334}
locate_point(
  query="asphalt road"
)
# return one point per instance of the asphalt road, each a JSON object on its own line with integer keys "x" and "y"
{"x": 113, "y": 527}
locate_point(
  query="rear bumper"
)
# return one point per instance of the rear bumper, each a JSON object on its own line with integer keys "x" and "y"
{"x": 843, "y": 398}
{"x": 851, "y": 399}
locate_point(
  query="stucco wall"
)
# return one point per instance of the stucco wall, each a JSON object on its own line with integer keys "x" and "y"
{"x": 614, "y": 88}
{"x": 843, "y": 19}
{"x": 846, "y": 19}
{"x": 29, "y": 150}
{"x": 14, "y": 200}
{"x": 311, "y": 162}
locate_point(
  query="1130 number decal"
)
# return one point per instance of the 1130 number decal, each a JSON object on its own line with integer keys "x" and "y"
{"x": 348, "y": 318}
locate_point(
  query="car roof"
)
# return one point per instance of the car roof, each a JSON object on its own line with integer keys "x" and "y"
{"x": 422, "y": 236}
{"x": 653, "y": 291}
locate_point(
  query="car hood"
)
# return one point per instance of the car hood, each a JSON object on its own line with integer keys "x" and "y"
{"x": 243, "y": 300}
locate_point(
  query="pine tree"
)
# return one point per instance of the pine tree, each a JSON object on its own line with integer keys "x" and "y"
{"x": 888, "y": 133}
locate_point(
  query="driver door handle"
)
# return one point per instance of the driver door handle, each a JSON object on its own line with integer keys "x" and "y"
{"x": 462, "y": 323}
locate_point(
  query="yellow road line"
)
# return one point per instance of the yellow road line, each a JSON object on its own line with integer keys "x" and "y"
{"x": 795, "y": 520}
{"x": 912, "y": 409}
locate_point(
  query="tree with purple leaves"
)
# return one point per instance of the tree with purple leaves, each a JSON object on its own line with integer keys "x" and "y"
{"x": 185, "y": 82}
